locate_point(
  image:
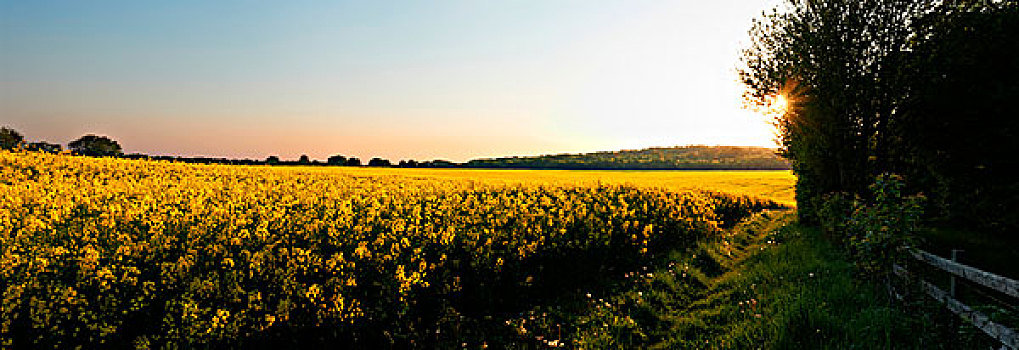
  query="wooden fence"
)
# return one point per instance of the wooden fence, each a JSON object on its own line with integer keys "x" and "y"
{"x": 1007, "y": 286}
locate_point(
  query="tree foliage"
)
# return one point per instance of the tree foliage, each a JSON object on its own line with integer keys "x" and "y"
{"x": 336, "y": 160}
{"x": 10, "y": 138}
{"x": 379, "y": 162}
{"x": 959, "y": 133}
{"x": 890, "y": 86}
{"x": 95, "y": 146}
{"x": 686, "y": 157}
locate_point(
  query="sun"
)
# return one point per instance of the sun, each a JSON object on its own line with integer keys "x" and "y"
{"x": 786, "y": 100}
{"x": 777, "y": 104}
{"x": 781, "y": 103}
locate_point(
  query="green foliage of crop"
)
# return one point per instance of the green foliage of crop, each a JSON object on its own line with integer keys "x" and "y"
{"x": 103, "y": 252}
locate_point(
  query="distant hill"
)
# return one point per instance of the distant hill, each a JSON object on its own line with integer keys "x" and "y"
{"x": 658, "y": 158}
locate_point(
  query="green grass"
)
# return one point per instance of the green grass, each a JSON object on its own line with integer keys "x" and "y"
{"x": 795, "y": 291}
{"x": 769, "y": 284}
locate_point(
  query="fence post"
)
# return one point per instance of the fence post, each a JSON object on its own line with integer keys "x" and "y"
{"x": 955, "y": 257}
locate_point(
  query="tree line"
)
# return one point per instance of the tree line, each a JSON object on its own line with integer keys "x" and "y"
{"x": 656, "y": 158}
{"x": 661, "y": 158}
{"x": 104, "y": 146}
{"x": 88, "y": 145}
{"x": 924, "y": 89}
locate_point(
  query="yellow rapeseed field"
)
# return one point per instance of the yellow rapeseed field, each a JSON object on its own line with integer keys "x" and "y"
{"x": 121, "y": 253}
{"x": 776, "y": 185}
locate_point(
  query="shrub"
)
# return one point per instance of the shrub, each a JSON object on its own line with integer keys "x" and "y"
{"x": 834, "y": 210}
{"x": 874, "y": 230}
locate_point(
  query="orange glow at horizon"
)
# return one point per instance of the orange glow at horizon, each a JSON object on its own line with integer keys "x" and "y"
{"x": 345, "y": 78}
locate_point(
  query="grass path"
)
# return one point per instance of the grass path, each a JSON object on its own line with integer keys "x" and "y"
{"x": 768, "y": 284}
{"x": 786, "y": 286}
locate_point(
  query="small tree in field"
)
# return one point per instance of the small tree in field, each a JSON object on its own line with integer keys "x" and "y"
{"x": 10, "y": 138}
{"x": 379, "y": 162}
{"x": 336, "y": 160}
{"x": 95, "y": 146}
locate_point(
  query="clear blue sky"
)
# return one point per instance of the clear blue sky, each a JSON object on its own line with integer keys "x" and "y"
{"x": 423, "y": 79}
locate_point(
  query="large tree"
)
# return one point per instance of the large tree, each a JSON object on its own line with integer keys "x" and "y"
{"x": 835, "y": 62}
{"x": 958, "y": 135}
{"x": 95, "y": 146}
{"x": 925, "y": 89}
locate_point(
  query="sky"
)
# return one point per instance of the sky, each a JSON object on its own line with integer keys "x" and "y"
{"x": 423, "y": 80}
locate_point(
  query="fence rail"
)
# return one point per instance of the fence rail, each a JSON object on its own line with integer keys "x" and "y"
{"x": 1005, "y": 285}
{"x": 986, "y": 279}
